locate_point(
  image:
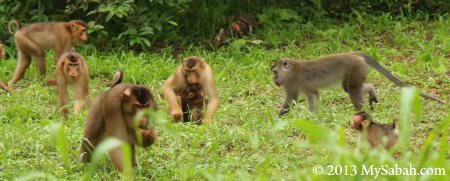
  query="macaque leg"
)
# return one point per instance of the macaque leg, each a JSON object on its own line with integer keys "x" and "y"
{"x": 82, "y": 98}
{"x": 118, "y": 158}
{"x": 63, "y": 99}
{"x": 196, "y": 114}
{"x": 23, "y": 63}
{"x": 313, "y": 100}
{"x": 356, "y": 97}
{"x": 87, "y": 148}
{"x": 28, "y": 46}
{"x": 291, "y": 97}
{"x": 370, "y": 89}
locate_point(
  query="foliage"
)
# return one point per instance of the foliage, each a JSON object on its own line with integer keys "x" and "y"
{"x": 141, "y": 24}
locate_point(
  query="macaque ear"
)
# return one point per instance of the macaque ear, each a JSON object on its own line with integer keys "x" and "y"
{"x": 365, "y": 123}
{"x": 231, "y": 19}
{"x": 126, "y": 95}
{"x": 201, "y": 63}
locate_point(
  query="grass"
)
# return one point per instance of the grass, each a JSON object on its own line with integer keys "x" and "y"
{"x": 247, "y": 140}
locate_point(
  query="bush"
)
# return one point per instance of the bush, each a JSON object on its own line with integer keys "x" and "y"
{"x": 139, "y": 24}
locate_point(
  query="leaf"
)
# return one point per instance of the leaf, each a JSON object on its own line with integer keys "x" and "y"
{"x": 104, "y": 148}
{"x": 61, "y": 143}
{"x": 173, "y": 23}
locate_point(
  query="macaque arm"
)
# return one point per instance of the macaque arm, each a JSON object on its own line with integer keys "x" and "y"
{"x": 82, "y": 96}
{"x": 174, "y": 82}
{"x": 213, "y": 97}
{"x": 63, "y": 97}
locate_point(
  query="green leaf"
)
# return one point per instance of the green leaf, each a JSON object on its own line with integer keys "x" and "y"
{"x": 173, "y": 23}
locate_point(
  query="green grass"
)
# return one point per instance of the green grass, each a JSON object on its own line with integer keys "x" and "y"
{"x": 247, "y": 140}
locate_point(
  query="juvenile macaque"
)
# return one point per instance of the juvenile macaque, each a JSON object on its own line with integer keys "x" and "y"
{"x": 4, "y": 87}
{"x": 375, "y": 132}
{"x": 349, "y": 69}
{"x": 113, "y": 114}
{"x": 194, "y": 70}
{"x": 243, "y": 25}
{"x": 192, "y": 101}
{"x": 34, "y": 39}
{"x": 2, "y": 51}
{"x": 72, "y": 70}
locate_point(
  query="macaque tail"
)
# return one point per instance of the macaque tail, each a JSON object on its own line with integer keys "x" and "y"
{"x": 15, "y": 22}
{"x": 369, "y": 60}
{"x": 117, "y": 79}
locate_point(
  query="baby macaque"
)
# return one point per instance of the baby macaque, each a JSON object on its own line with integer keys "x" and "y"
{"x": 376, "y": 132}
{"x": 192, "y": 101}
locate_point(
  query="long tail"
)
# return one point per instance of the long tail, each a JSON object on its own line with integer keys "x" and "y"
{"x": 15, "y": 22}
{"x": 117, "y": 79}
{"x": 369, "y": 60}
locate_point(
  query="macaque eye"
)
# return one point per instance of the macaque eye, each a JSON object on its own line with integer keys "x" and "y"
{"x": 286, "y": 64}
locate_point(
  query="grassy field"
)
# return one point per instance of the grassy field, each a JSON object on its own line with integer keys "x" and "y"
{"x": 247, "y": 140}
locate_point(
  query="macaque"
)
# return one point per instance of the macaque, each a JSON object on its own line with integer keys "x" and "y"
{"x": 4, "y": 87}
{"x": 72, "y": 70}
{"x": 113, "y": 114}
{"x": 192, "y": 101}
{"x": 375, "y": 132}
{"x": 194, "y": 70}
{"x": 350, "y": 69}
{"x": 32, "y": 41}
{"x": 243, "y": 25}
{"x": 2, "y": 51}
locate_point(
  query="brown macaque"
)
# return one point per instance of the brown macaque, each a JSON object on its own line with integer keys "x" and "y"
{"x": 194, "y": 70}
{"x": 32, "y": 41}
{"x": 2, "y": 51}
{"x": 72, "y": 70}
{"x": 4, "y": 87}
{"x": 375, "y": 132}
{"x": 192, "y": 101}
{"x": 350, "y": 69}
{"x": 243, "y": 25}
{"x": 113, "y": 114}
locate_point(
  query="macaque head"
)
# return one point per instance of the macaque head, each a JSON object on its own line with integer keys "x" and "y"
{"x": 360, "y": 120}
{"x": 137, "y": 98}
{"x": 78, "y": 30}
{"x": 236, "y": 27}
{"x": 71, "y": 64}
{"x": 281, "y": 70}
{"x": 192, "y": 68}
{"x": 193, "y": 92}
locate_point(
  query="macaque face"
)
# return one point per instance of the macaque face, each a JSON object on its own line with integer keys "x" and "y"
{"x": 280, "y": 69}
{"x": 193, "y": 92}
{"x": 72, "y": 66}
{"x": 191, "y": 69}
{"x": 191, "y": 75}
{"x": 360, "y": 120}
{"x": 79, "y": 31}
{"x": 357, "y": 123}
{"x": 235, "y": 27}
